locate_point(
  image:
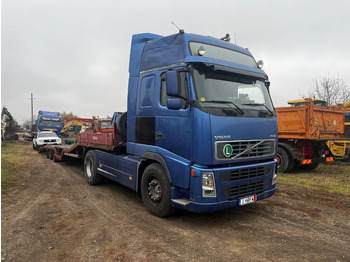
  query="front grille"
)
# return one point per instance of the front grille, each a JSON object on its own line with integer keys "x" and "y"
{"x": 245, "y": 173}
{"x": 50, "y": 140}
{"x": 236, "y": 192}
{"x": 244, "y": 149}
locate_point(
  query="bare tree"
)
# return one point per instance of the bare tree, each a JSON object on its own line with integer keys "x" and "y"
{"x": 64, "y": 114}
{"x": 333, "y": 90}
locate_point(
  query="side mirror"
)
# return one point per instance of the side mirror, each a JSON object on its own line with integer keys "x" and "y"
{"x": 174, "y": 103}
{"x": 172, "y": 83}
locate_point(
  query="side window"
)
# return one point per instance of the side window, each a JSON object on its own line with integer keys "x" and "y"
{"x": 183, "y": 90}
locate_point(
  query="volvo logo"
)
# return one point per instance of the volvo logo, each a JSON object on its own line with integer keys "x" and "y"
{"x": 248, "y": 149}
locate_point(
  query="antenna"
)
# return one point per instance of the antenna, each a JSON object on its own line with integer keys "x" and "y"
{"x": 181, "y": 31}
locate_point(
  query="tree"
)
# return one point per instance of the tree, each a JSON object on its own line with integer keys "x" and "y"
{"x": 333, "y": 90}
{"x": 64, "y": 115}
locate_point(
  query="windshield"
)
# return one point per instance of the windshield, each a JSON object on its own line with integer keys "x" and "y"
{"x": 225, "y": 93}
{"x": 50, "y": 123}
{"x": 106, "y": 124}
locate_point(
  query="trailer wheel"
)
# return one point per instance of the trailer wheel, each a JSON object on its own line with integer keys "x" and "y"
{"x": 156, "y": 191}
{"x": 54, "y": 159}
{"x": 284, "y": 161}
{"x": 90, "y": 169}
{"x": 51, "y": 153}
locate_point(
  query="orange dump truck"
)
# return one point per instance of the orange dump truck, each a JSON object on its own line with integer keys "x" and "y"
{"x": 303, "y": 131}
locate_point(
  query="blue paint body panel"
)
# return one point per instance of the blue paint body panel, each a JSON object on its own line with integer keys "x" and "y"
{"x": 119, "y": 168}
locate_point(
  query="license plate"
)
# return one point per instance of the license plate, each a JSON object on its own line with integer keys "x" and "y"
{"x": 247, "y": 200}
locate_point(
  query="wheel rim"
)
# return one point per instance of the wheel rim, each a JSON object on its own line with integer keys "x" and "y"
{"x": 278, "y": 158}
{"x": 88, "y": 167}
{"x": 154, "y": 190}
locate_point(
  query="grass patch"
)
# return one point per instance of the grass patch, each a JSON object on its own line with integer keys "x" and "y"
{"x": 13, "y": 159}
{"x": 331, "y": 178}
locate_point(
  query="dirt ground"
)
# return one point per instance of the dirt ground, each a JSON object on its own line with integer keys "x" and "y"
{"x": 54, "y": 215}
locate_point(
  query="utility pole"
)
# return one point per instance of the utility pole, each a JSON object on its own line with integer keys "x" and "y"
{"x": 32, "y": 98}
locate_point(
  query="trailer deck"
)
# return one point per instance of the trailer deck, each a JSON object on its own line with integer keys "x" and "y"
{"x": 84, "y": 141}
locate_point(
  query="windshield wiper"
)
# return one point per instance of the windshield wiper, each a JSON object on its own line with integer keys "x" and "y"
{"x": 225, "y": 102}
{"x": 257, "y": 104}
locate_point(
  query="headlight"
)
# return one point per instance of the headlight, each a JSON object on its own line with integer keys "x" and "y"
{"x": 208, "y": 185}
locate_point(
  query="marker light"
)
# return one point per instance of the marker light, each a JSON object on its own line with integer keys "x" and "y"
{"x": 201, "y": 50}
{"x": 260, "y": 64}
{"x": 306, "y": 161}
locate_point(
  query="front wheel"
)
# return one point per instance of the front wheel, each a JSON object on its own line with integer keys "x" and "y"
{"x": 90, "y": 169}
{"x": 156, "y": 191}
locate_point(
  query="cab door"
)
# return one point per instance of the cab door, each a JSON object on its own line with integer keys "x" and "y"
{"x": 174, "y": 128}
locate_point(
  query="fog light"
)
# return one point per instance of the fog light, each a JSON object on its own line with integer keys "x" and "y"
{"x": 274, "y": 178}
{"x": 208, "y": 185}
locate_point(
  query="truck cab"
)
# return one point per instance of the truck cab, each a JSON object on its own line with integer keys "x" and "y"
{"x": 201, "y": 126}
{"x": 49, "y": 121}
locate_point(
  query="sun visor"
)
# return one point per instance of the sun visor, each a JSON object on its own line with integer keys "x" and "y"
{"x": 216, "y": 67}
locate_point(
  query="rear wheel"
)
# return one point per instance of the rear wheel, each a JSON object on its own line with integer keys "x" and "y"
{"x": 309, "y": 167}
{"x": 156, "y": 191}
{"x": 90, "y": 169}
{"x": 284, "y": 161}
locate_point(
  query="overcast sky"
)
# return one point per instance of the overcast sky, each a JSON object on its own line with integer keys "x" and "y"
{"x": 73, "y": 55}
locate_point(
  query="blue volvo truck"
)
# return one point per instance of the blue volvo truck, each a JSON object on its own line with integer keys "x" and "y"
{"x": 49, "y": 121}
{"x": 201, "y": 127}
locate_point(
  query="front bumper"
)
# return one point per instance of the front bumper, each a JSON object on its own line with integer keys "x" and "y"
{"x": 213, "y": 207}
{"x": 231, "y": 185}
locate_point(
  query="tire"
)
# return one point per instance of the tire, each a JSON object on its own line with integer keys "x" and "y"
{"x": 38, "y": 148}
{"x": 284, "y": 161}
{"x": 122, "y": 125}
{"x": 51, "y": 154}
{"x": 156, "y": 191}
{"x": 54, "y": 159}
{"x": 34, "y": 147}
{"x": 90, "y": 169}
{"x": 48, "y": 154}
{"x": 310, "y": 167}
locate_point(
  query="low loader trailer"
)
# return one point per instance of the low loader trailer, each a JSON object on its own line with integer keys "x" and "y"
{"x": 86, "y": 141}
